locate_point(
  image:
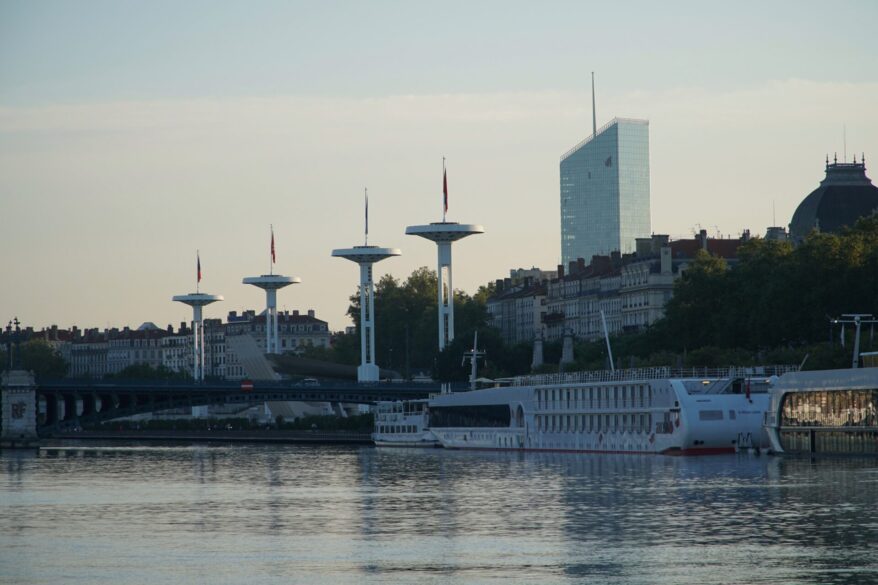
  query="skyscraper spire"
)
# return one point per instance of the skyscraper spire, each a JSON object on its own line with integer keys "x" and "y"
{"x": 594, "y": 115}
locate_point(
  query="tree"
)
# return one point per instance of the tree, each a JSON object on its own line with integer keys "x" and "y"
{"x": 39, "y": 357}
{"x": 148, "y": 372}
{"x": 695, "y": 310}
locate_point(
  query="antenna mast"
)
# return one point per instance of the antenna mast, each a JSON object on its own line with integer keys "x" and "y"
{"x": 594, "y": 116}
{"x": 473, "y": 356}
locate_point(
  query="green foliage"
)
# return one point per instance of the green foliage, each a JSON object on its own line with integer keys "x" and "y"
{"x": 361, "y": 423}
{"x": 147, "y": 372}
{"x": 500, "y": 360}
{"x": 406, "y": 321}
{"x": 776, "y": 295}
{"x": 40, "y": 358}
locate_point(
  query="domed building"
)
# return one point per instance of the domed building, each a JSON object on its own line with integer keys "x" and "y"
{"x": 844, "y": 196}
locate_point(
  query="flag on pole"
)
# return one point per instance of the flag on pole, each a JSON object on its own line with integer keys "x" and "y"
{"x": 273, "y": 258}
{"x": 445, "y": 189}
{"x": 198, "y": 264}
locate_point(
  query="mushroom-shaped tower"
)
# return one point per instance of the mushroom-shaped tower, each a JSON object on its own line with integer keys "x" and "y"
{"x": 445, "y": 234}
{"x": 366, "y": 256}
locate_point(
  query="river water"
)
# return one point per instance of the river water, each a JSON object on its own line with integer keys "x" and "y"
{"x": 232, "y": 514}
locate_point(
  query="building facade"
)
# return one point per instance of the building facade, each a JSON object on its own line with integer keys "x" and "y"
{"x": 296, "y": 332}
{"x": 631, "y": 290}
{"x": 605, "y": 191}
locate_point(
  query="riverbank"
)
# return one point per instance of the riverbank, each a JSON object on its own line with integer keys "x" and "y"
{"x": 198, "y": 436}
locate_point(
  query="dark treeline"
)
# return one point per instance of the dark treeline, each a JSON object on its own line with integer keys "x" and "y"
{"x": 773, "y": 306}
{"x": 38, "y": 356}
{"x": 777, "y": 295}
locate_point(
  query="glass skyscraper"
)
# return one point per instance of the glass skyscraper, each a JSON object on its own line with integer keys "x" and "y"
{"x": 605, "y": 191}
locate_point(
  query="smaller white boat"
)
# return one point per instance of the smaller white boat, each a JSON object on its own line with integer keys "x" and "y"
{"x": 403, "y": 423}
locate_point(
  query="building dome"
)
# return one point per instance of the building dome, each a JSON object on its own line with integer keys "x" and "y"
{"x": 844, "y": 196}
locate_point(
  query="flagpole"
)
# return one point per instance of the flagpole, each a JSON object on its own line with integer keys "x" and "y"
{"x": 444, "y": 194}
{"x": 271, "y": 252}
{"x": 366, "y": 191}
{"x": 197, "y": 271}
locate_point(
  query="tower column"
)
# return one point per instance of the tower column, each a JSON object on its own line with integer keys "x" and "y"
{"x": 446, "y": 295}
{"x": 365, "y": 257}
{"x": 197, "y": 344}
{"x": 367, "y": 318}
{"x": 197, "y": 301}
{"x": 270, "y": 283}
{"x": 271, "y": 321}
{"x": 444, "y": 234}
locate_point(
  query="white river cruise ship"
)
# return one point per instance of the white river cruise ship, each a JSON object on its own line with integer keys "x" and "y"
{"x": 626, "y": 411}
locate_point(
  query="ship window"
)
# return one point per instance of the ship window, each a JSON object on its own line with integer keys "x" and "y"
{"x": 833, "y": 408}
{"x": 489, "y": 415}
{"x": 732, "y": 415}
{"x": 710, "y": 415}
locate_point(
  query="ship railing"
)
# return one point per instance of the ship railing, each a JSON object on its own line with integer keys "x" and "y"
{"x": 634, "y": 374}
{"x": 597, "y": 404}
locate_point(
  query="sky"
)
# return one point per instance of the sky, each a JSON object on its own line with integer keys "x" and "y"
{"x": 134, "y": 133}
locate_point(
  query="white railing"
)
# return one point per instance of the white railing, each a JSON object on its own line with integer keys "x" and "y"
{"x": 634, "y": 374}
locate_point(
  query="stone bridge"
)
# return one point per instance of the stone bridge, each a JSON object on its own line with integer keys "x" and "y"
{"x": 61, "y": 404}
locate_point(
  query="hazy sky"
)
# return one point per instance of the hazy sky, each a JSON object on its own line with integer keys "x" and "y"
{"x": 134, "y": 133}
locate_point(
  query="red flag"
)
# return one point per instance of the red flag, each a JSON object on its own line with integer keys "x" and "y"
{"x": 198, "y": 264}
{"x": 445, "y": 188}
{"x": 273, "y": 260}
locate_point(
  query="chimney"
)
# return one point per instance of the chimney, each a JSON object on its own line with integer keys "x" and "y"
{"x": 311, "y": 313}
{"x": 498, "y": 285}
{"x": 666, "y": 262}
{"x": 659, "y": 241}
{"x": 295, "y": 312}
{"x": 703, "y": 235}
{"x": 560, "y": 271}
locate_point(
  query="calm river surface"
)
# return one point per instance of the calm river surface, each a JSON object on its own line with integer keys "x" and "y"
{"x": 145, "y": 514}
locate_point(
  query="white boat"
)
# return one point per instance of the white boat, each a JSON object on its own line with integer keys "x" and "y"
{"x": 632, "y": 411}
{"x": 828, "y": 412}
{"x": 403, "y": 423}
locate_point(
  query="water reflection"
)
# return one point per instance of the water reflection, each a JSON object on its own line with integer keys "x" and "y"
{"x": 160, "y": 513}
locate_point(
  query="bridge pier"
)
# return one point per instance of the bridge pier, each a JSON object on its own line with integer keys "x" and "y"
{"x": 18, "y": 402}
